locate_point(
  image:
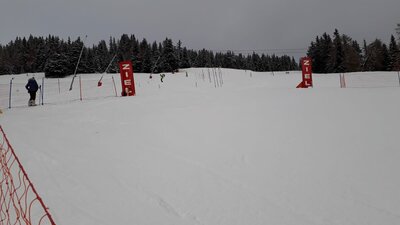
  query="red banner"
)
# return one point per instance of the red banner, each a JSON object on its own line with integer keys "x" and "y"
{"x": 127, "y": 82}
{"x": 306, "y": 67}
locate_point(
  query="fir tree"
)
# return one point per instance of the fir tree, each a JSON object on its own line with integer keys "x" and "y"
{"x": 394, "y": 54}
{"x": 113, "y": 52}
{"x": 72, "y": 51}
{"x": 169, "y": 59}
{"x": 185, "y": 59}
{"x": 101, "y": 57}
{"x": 376, "y": 56}
{"x": 57, "y": 66}
{"x": 338, "y": 54}
{"x": 352, "y": 58}
{"x": 125, "y": 48}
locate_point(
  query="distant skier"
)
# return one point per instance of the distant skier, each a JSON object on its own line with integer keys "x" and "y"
{"x": 32, "y": 87}
{"x": 162, "y": 77}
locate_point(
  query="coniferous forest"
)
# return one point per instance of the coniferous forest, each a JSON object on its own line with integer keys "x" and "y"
{"x": 340, "y": 53}
{"x": 58, "y": 58}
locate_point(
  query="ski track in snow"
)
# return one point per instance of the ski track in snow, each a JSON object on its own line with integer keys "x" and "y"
{"x": 167, "y": 207}
{"x": 241, "y": 188}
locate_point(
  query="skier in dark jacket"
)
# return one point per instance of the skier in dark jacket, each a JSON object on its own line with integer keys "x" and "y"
{"x": 32, "y": 87}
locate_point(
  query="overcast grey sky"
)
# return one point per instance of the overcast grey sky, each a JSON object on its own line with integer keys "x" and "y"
{"x": 210, "y": 24}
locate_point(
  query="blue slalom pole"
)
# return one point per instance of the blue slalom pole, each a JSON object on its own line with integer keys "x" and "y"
{"x": 42, "y": 92}
{"x": 9, "y": 99}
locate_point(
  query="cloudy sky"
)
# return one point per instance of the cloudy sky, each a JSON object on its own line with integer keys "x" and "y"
{"x": 210, "y": 24}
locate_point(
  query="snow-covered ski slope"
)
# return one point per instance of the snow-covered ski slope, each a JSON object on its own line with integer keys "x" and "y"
{"x": 255, "y": 151}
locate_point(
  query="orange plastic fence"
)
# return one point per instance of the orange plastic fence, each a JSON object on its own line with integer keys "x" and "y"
{"x": 20, "y": 204}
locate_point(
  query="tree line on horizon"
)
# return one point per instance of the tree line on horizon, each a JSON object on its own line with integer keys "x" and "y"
{"x": 340, "y": 53}
{"x": 58, "y": 58}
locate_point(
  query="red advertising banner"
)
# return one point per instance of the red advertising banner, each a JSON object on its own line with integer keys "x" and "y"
{"x": 127, "y": 81}
{"x": 306, "y": 67}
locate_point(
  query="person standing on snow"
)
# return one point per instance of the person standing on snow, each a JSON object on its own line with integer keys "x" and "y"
{"x": 32, "y": 87}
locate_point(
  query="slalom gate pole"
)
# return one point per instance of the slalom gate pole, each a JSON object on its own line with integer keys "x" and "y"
{"x": 80, "y": 87}
{"x": 220, "y": 74}
{"x": 215, "y": 77}
{"x": 215, "y": 84}
{"x": 99, "y": 83}
{"x": 9, "y": 98}
{"x": 59, "y": 89}
{"x": 72, "y": 82}
{"x": 8, "y": 155}
{"x": 219, "y": 77}
{"x": 42, "y": 91}
{"x": 77, "y": 64}
{"x": 105, "y": 71}
{"x": 40, "y": 95}
{"x": 398, "y": 76}
{"x": 115, "y": 89}
{"x": 155, "y": 65}
{"x": 344, "y": 81}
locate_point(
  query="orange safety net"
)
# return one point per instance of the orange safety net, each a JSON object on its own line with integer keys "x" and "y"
{"x": 20, "y": 204}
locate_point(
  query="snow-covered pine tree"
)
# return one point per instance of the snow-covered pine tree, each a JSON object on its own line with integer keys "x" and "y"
{"x": 101, "y": 57}
{"x": 185, "y": 59}
{"x": 169, "y": 59}
{"x": 394, "y": 54}
{"x": 57, "y": 66}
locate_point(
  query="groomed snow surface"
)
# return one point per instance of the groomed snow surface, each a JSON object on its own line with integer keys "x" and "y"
{"x": 256, "y": 151}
